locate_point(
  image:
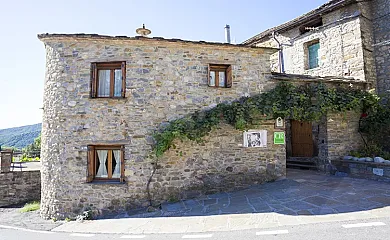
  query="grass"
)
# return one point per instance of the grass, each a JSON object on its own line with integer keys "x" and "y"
{"x": 32, "y": 206}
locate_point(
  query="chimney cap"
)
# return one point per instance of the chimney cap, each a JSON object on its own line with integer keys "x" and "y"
{"x": 143, "y": 31}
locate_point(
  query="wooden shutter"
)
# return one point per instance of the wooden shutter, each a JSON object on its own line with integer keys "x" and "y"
{"x": 91, "y": 164}
{"x": 123, "y": 67}
{"x": 229, "y": 77}
{"x": 208, "y": 74}
{"x": 93, "y": 79}
{"x": 122, "y": 164}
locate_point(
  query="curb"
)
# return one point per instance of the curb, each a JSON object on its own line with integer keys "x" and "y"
{"x": 215, "y": 223}
{"x": 26, "y": 229}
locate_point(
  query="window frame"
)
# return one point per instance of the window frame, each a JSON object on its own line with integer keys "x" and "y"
{"x": 307, "y": 54}
{"x": 92, "y": 163}
{"x": 217, "y": 68}
{"x": 112, "y": 66}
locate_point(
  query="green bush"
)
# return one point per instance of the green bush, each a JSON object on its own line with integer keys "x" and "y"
{"x": 375, "y": 125}
{"x": 29, "y": 207}
{"x": 371, "y": 151}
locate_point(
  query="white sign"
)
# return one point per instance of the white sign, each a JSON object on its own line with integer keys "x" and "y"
{"x": 255, "y": 138}
{"x": 377, "y": 171}
{"x": 279, "y": 122}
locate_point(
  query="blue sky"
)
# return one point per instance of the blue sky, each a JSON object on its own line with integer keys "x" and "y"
{"x": 22, "y": 59}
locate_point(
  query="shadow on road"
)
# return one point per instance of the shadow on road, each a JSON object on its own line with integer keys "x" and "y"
{"x": 302, "y": 193}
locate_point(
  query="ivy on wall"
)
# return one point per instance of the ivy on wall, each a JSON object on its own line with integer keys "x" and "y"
{"x": 304, "y": 103}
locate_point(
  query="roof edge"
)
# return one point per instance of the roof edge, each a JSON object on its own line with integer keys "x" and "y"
{"x": 84, "y": 36}
{"x": 325, "y": 8}
{"x": 308, "y": 78}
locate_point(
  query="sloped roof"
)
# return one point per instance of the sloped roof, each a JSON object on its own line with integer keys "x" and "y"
{"x": 325, "y": 8}
{"x": 84, "y": 36}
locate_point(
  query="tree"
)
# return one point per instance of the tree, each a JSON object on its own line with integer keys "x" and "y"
{"x": 33, "y": 150}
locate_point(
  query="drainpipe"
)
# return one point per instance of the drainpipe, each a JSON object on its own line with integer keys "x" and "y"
{"x": 281, "y": 60}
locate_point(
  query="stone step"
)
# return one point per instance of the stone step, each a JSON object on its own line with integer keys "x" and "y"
{"x": 300, "y": 165}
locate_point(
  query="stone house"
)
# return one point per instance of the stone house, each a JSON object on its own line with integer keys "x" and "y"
{"x": 346, "y": 39}
{"x": 105, "y": 96}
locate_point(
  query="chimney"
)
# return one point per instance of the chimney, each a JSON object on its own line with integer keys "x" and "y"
{"x": 227, "y": 33}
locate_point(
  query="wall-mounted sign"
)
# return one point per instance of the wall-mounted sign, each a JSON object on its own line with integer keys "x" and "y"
{"x": 279, "y": 138}
{"x": 255, "y": 138}
{"x": 279, "y": 122}
{"x": 377, "y": 171}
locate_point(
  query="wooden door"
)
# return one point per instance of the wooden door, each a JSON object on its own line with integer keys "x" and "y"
{"x": 301, "y": 139}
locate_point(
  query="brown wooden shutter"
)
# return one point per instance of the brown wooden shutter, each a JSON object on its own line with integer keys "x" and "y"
{"x": 208, "y": 74}
{"x": 122, "y": 163}
{"x": 91, "y": 164}
{"x": 229, "y": 77}
{"x": 123, "y": 67}
{"x": 93, "y": 79}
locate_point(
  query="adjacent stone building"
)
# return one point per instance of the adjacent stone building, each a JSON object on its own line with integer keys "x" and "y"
{"x": 380, "y": 15}
{"x": 346, "y": 39}
{"x": 343, "y": 38}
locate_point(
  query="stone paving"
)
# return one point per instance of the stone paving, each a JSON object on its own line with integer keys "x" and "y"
{"x": 304, "y": 197}
{"x": 11, "y": 216}
{"x": 302, "y": 193}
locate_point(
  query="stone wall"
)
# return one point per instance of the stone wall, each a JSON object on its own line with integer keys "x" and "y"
{"x": 19, "y": 187}
{"x": 341, "y": 47}
{"x": 165, "y": 80}
{"x": 362, "y": 169}
{"x": 342, "y": 134}
{"x": 381, "y": 27}
{"x": 220, "y": 163}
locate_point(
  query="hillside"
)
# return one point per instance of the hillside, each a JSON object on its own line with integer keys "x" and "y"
{"x": 19, "y": 137}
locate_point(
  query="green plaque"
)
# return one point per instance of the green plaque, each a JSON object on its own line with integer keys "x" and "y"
{"x": 278, "y": 137}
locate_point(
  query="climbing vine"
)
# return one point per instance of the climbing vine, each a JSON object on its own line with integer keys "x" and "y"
{"x": 305, "y": 103}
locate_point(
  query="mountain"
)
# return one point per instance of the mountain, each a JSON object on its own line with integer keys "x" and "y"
{"x": 19, "y": 137}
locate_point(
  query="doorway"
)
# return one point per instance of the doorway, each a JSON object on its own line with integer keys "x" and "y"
{"x": 301, "y": 139}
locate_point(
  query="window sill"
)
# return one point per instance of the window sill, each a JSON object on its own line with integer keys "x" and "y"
{"x": 314, "y": 68}
{"x": 106, "y": 183}
{"x": 107, "y": 97}
{"x": 218, "y": 87}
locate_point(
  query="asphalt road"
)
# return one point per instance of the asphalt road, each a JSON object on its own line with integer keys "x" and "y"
{"x": 370, "y": 229}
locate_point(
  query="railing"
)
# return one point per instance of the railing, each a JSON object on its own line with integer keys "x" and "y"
{"x": 18, "y": 155}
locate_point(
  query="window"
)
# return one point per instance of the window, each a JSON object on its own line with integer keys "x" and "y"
{"x": 105, "y": 163}
{"x": 108, "y": 80}
{"x": 312, "y": 51}
{"x": 220, "y": 75}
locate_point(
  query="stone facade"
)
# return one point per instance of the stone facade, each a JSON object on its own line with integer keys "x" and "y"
{"x": 354, "y": 42}
{"x": 381, "y": 28}
{"x": 342, "y": 134}
{"x": 165, "y": 80}
{"x": 220, "y": 163}
{"x": 19, "y": 187}
{"x": 341, "y": 46}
